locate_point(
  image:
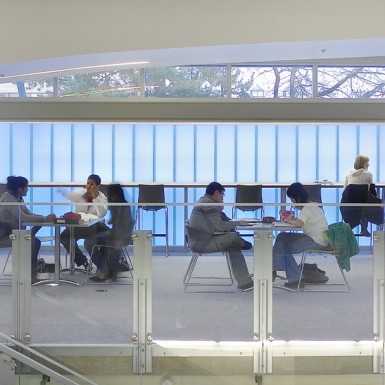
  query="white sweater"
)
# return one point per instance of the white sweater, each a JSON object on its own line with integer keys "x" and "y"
{"x": 361, "y": 176}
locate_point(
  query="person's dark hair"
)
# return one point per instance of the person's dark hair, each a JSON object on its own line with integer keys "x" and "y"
{"x": 115, "y": 193}
{"x": 16, "y": 182}
{"x": 214, "y": 186}
{"x": 297, "y": 192}
{"x": 96, "y": 178}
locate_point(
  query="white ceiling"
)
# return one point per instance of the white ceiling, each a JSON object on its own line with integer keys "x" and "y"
{"x": 355, "y": 51}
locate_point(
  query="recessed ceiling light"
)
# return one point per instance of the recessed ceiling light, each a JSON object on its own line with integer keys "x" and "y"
{"x": 103, "y": 66}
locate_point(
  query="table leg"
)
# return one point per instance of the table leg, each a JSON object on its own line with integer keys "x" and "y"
{"x": 72, "y": 251}
{"x": 57, "y": 255}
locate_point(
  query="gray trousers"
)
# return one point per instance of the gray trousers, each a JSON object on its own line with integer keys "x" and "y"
{"x": 233, "y": 244}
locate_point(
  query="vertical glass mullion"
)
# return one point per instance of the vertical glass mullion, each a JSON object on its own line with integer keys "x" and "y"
{"x": 112, "y": 153}
{"x": 315, "y": 81}
{"x": 93, "y": 148}
{"x": 215, "y": 151}
{"x": 228, "y": 81}
{"x": 195, "y": 159}
{"x": 378, "y": 152}
{"x": 276, "y": 154}
{"x": 296, "y": 152}
{"x": 256, "y": 142}
{"x": 174, "y": 197}
{"x": 317, "y": 152}
{"x": 236, "y": 153}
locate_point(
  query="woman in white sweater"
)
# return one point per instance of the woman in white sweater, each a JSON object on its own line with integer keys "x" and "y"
{"x": 360, "y": 175}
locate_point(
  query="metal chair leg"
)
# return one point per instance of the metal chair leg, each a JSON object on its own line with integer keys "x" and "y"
{"x": 6, "y": 262}
{"x": 202, "y": 284}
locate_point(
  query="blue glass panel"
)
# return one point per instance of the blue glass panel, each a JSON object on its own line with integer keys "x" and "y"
{"x": 102, "y": 151}
{"x": 348, "y": 148}
{"x": 164, "y": 153}
{"x": 62, "y": 153}
{"x": 5, "y": 150}
{"x": 123, "y": 153}
{"x": 21, "y": 149}
{"x": 41, "y": 152}
{"x": 184, "y": 153}
{"x": 307, "y": 154}
{"x": 205, "y": 153}
{"x": 287, "y": 140}
{"x": 381, "y": 155}
{"x": 83, "y": 152}
{"x": 144, "y": 153}
{"x": 225, "y": 153}
{"x": 327, "y": 167}
{"x": 266, "y": 153}
{"x": 367, "y": 146}
{"x": 246, "y": 156}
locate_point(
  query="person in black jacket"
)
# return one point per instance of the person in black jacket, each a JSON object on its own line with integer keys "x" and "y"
{"x": 106, "y": 257}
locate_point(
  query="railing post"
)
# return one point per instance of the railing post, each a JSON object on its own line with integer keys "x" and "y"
{"x": 378, "y": 300}
{"x": 142, "y": 302}
{"x": 21, "y": 284}
{"x": 262, "y": 300}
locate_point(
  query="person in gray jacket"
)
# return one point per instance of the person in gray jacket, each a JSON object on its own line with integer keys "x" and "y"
{"x": 210, "y": 220}
{"x": 13, "y": 217}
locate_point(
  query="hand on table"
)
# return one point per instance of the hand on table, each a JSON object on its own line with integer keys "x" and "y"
{"x": 50, "y": 217}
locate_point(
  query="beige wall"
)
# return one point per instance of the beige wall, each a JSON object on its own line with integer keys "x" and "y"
{"x": 44, "y": 29}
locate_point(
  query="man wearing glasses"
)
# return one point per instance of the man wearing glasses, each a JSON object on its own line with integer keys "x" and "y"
{"x": 210, "y": 219}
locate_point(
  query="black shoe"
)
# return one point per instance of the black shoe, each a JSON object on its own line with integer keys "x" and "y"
{"x": 246, "y": 245}
{"x": 247, "y": 287}
{"x": 294, "y": 285}
{"x": 95, "y": 278}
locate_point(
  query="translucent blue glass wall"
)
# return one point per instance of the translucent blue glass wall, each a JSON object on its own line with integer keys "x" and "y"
{"x": 63, "y": 152}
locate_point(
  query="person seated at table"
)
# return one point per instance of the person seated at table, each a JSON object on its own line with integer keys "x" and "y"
{"x": 13, "y": 217}
{"x": 106, "y": 258}
{"x": 211, "y": 219}
{"x": 360, "y": 175}
{"x": 82, "y": 198}
{"x": 313, "y": 222}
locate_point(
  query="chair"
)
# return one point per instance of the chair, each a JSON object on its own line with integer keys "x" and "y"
{"x": 47, "y": 238}
{"x": 343, "y": 245}
{"x": 153, "y": 194}
{"x": 355, "y": 193}
{"x": 124, "y": 259}
{"x": 314, "y": 192}
{"x": 121, "y": 232}
{"x": 248, "y": 194}
{"x": 206, "y": 283}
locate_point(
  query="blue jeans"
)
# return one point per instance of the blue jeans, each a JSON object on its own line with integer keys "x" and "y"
{"x": 285, "y": 246}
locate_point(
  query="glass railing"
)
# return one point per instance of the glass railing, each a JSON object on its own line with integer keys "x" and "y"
{"x": 146, "y": 315}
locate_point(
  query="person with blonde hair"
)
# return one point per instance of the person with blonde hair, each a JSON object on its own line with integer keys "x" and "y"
{"x": 361, "y": 175}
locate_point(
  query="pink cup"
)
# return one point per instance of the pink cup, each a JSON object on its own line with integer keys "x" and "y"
{"x": 285, "y": 214}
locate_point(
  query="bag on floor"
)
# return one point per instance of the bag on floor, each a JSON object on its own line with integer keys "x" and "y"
{"x": 313, "y": 274}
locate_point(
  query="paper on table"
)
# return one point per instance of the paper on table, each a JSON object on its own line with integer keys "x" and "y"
{"x": 282, "y": 224}
{"x": 250, "y": 220}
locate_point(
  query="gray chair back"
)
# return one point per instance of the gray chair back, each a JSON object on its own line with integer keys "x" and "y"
{"x": 249, "y": 194}
{"x": 3, "y": 188}
{"x": 314, "y": 192}
{"x": 153, "y": 193}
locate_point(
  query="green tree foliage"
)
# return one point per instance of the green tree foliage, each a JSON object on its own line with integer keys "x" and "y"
{"x": 212, "y": 82}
